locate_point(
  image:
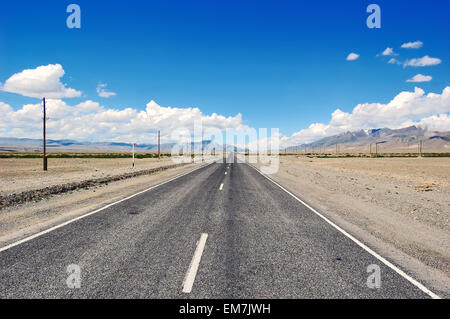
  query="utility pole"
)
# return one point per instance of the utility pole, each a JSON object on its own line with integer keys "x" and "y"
{"x": 44, "y": 157}
{"x": 159, "y": 144}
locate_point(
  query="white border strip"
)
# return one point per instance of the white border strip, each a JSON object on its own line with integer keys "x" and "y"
{"x": 370, "y": 251}
{"x": 193, "y": 267}
{"x": 94, "y": 212}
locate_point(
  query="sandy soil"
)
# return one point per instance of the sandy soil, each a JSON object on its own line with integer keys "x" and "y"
{"x": 399, "y": 206}
{"x": 18, "y": 175}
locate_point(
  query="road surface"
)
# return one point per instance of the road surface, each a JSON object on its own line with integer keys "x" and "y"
{"x": 222, "y": 231}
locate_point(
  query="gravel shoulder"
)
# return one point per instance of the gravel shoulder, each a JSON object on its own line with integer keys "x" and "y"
{"x": 400, "y": 207}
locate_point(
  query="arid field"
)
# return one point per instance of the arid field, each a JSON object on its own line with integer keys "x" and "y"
{"x": 22, "y": 174}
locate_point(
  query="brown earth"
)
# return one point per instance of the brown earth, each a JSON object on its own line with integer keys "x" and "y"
{"x": 24, "y": 174}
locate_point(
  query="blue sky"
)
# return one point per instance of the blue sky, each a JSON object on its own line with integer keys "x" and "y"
{"x": 278, "y": 63}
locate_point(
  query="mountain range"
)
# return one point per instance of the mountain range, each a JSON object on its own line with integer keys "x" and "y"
{"x": 407, "y": 137}
{"x": 11, "y": 144}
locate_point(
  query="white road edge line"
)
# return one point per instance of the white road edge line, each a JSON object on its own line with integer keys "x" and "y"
{"x": 93, "y": 212}
{"x": 366, "y": 248}
{"x": 193, "y": 267}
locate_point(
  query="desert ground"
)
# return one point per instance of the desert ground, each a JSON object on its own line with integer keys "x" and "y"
{"x": 399, "y": 206}
{"x": 22, "y": 174}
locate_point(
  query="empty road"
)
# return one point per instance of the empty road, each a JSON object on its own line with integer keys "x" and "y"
{"x": 222, "y": 231}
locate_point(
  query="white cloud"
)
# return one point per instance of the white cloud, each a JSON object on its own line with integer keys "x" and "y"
{"x": 101, "y": 91}
{"x": 43, "y": 81}
{"x": 93, "y": 122}
{"x": 440, "y": 122}
{"x": 89, "y": 106}
{"x": 407, "y": 108}
{"x": 424, "y": 61}
{"x": 5, "y": 108}
{"x": 412, "y": 45}
{"x": 352, "y": 56}
{"x": 388, "y": 52}
{"x": 420, "y": 78}
{"x": 394, "y": 61}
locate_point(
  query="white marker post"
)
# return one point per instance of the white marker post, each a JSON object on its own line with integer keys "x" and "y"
{"x": 134, "y": 144}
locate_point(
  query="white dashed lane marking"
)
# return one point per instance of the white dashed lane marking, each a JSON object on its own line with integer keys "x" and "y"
{"x": 192, "y": 271}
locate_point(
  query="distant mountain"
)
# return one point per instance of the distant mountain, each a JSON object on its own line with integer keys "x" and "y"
{"x": 407, "y": 137}
{"x": 11, "y": 144}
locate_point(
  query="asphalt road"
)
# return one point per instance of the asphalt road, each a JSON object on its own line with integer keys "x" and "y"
{"x": 261, "y": 243}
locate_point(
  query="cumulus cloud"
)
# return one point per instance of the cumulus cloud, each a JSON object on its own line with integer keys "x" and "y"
{"x": 420, "y": 78}
{"x": 4, "y": 108}
{"x": 101, "y": 91}
{"x": 92, "y": 122}
{"x": 412, "y": 45}
{"x": 407, "y": 108}
{"x": 440, "y": 122}
{"x": 417, "y": 62}
{"x": 424, "y": 61}
{"x": 43, "y": 81}
{"x": 388, "y": 52}
{"x": 394, "y": 61}
{"x": 352, "y": 56}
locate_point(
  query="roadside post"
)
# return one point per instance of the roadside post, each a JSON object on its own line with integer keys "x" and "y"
{"x": 159, "y": 144}
{"x": 44, "y": 155}
{"x": 134, "y": 145}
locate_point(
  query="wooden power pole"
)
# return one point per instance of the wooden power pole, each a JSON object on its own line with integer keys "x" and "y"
{"x": 44, "y": 156}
